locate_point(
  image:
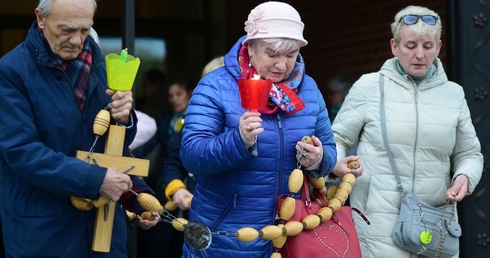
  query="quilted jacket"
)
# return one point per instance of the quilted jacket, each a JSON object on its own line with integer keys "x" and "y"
{"x": 238, "y": 187}
{"x": 430, "y": 133}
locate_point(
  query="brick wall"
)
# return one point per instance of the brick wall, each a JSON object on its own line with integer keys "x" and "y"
{"x": 344, "y": 37}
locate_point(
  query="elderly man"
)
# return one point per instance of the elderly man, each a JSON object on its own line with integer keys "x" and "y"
{"x": 53, "y": 85}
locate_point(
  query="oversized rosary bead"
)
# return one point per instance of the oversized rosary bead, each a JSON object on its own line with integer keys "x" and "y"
{"x": 353, "y": 164}
{"x": 317, "y": 182}
{"x": 334, "y": 204}
{"x": 149, "y": 202}
{"x": 324, "y": 213}
{"x": 349, "y": 178}
{"x": 346, "y": 186}
{"x": 281, "y": 240}
{"x": 81, "y": 203}
{"x": 331, "y": 191}
{"x": 101, "y": 122}
{"x": 276, "y": 255}
{"x": 270, "y": 232}
{"x": 247, "y": 234}
{"x": 147, "y": 216}
{"x": 311, "y": 221}
{"x": 295, "y": 180}
{"x": 288, "y": 207}
{"x": 324, "y": 191}
{"x": 307, "y": 139}
{"x": 293, "y": 228}
{"x": 170, "y": 206}
{"x": 131, "y": 215}
{"x": 342, "y": 195}
{"x": 179, "y": 223}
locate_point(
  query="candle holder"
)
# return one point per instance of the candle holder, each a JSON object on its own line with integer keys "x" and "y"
{"x": 121, "y": 70}
{"x": 254, "y": 93}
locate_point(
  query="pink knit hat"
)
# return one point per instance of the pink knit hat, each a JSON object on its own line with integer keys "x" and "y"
{"x": 274, "y": 20}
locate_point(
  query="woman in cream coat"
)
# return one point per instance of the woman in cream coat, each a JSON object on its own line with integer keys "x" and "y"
{"x": 429, "y": 131}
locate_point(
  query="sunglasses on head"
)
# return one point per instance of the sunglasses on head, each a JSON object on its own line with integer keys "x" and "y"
{"x": 410, "y": 19}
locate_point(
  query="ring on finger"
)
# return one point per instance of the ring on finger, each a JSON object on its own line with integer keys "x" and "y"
{"x": 353, "y": 171}
{"x": 248, "y": 128}
{"x": 303, "y": 155}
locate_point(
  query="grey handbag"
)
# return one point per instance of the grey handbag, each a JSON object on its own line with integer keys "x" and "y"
{"x": 421, "y": 228}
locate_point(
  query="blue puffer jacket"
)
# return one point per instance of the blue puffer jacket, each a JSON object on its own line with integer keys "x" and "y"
{"x": 237, "y": 187}
{"x": 41, "y": 128}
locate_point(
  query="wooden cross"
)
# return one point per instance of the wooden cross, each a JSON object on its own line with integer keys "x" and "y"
{"x": 112, "y": 157}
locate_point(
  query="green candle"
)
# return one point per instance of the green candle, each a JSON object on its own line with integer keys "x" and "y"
{"x": 124, "y": 55}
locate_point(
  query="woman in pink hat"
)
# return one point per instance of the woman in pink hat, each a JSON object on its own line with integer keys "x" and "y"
{"x": 243, "y": 158}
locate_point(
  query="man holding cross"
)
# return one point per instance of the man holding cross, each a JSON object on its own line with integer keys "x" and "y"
{"x": 52, "y": 86}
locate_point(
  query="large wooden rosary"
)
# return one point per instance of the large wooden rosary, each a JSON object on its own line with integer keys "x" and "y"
{"x": 199, "y": 236}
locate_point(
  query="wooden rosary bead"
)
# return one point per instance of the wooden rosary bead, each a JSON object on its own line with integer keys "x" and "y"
{"x": 288, "y": 207}
{"x": 293, "y": 228}
{"x": 295, "y": 180}
{"x": 325, "y": 214}
{"x": 101, "y": 122}
{"x": 334, "y": 204}
{"x": 270, "y": 232}
{"x": 179, "y": 223}
{"x": 346, "y": 186}
{"x": 349, "y": 178}
{"x": 331, "y": 191}
{"x": 281, "y": 240}
{"x": 317, "y": 182}
{"x": 149, "y": 202}
{"x": 247, "y": 234}
{"x": 311, "y": 221}
{"x": 353, "y": 164}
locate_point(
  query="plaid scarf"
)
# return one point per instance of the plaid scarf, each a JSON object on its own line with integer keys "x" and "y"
{"x": 77, "y": 70}
{"x": 282, "y": 95}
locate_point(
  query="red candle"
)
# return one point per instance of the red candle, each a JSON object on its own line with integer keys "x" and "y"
{"x": 254, "y": 93}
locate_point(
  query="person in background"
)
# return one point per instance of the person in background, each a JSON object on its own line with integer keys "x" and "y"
{"x": 51, "y": 100}
{"x": 147, "y": 128}
{"x": 337, "y": 89}
{"x": 164, "y": 238}
{"x": 428, "y": 128}
{"x": 217, "y": 62}
{"x": 242, "y": 158}
{"x": 153, "y": 91}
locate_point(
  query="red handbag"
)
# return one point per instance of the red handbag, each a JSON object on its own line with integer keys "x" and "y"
{"x": 336, "y": 237}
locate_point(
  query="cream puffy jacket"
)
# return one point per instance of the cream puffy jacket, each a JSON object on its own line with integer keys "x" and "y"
{"x": 432, "y": 138}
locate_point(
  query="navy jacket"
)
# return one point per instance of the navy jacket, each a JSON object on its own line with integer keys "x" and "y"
{"x": 41, "y": 128}
{"x": 237, "y": 187}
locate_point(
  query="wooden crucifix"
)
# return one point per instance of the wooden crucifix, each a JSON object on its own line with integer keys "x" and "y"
{"x": 112, "y": 157}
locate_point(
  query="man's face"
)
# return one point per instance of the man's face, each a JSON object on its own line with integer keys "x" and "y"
{"x": 67, "y": 26}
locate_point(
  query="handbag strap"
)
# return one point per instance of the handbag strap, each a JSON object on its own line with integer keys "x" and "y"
{"x": 305, "y": 193}
{"x": 383, "y": 133}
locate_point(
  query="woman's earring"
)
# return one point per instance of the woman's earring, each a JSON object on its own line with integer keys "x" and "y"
{"x": 250, "y": 63}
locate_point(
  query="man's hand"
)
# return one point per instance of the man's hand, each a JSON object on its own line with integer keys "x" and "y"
{"x": 121, "y": 105}
{"x": 115, "y": 184}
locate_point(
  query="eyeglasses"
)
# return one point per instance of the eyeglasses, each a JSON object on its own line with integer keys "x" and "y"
{"x": 410, "y": 19}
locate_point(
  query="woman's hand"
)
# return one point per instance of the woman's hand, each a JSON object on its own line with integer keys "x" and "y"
{"x": 341, "y": 168}
{"x": 250, "y": 126}
{"x": 146, "y": 224}
{"x": 458, "y": 190}
{"x": 121, "y": 105}
{"x": 181, "y": 197}
{"x": 309, "y": 153}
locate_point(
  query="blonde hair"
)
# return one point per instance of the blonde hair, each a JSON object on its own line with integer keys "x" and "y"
{"x": 420, "y": 27}
{"x": 213, "y": 64}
